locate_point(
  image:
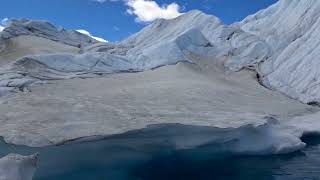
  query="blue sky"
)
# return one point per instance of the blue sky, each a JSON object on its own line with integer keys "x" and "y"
{"x": 111, "y": 19}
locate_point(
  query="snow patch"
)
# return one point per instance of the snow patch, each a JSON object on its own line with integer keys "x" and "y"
{"x": 82, "y": 31}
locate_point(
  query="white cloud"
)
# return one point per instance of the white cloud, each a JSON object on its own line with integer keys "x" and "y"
{"x": 82, "y": 31}
{"x": 148, "y": 10}
{"x": 1, "y": 28}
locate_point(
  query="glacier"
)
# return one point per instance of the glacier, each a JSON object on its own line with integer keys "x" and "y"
{"x": 59, "y": 85}
{"x": 191, "y": 57}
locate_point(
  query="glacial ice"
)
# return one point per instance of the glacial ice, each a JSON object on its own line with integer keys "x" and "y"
{"x": 225, "y": 88}
{"x": 291, "y": 29}
{"x": 190, "y": 94}
{"x": 193, "y": 70}
{"x": 272, "y": 42}
{"x": 47, "y": 30}
{"x": 17, "y": 167}
{"x": 194, "y": 33}
{"x": 63, "y": 66}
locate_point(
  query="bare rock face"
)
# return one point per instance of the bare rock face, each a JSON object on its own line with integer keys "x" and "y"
{"x": 17, "y": 167}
